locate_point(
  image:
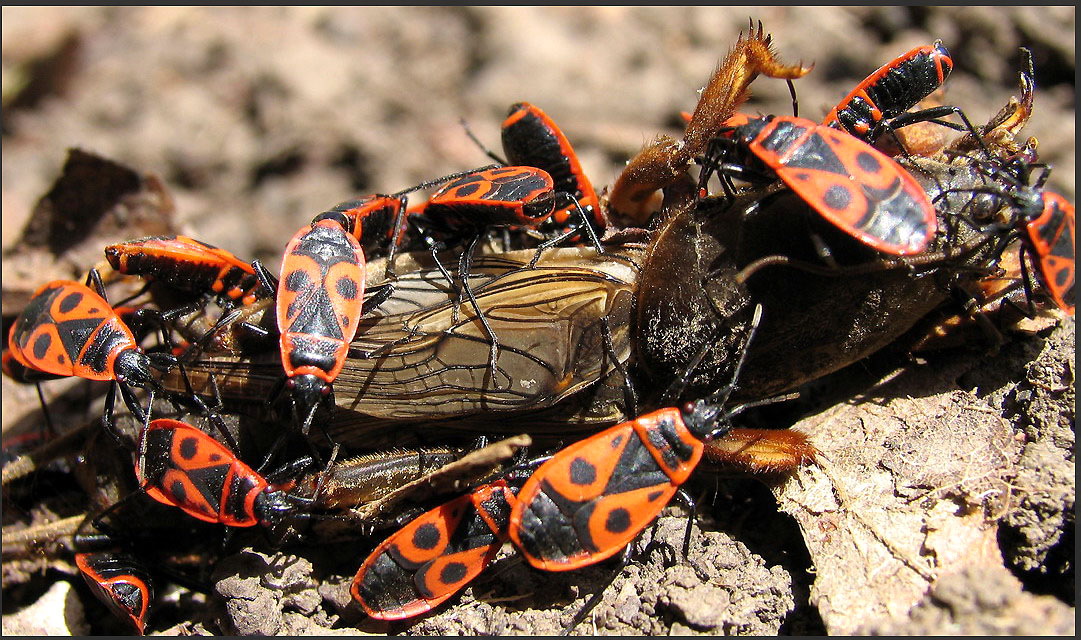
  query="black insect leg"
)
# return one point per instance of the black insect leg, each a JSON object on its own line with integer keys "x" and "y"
{"x": 575, "y": 230}
{"x": 488, "y": 152}
{"x": 305, "y": 427}
{"x": 266, "y": 279}
{"x": 630, "y": 397}
{"x": 143, "y": 289}
{"x": 1026, "y": 280}
{"x": 108, "y": 535}
{"x": 93, "y": 278}
{"x": 166, "y": 361}
{"x": 713, "y": 163}
{"x": 933, "y": 114}
{"x": 692, "y": 508}
{"x": 107, "y": 420}
{"x": 377, "y": 296}
{"x": 50, "y": 428}
{"x": 465, "y": 266}
{"x": 795, "y": 100}
{"x": 397, "y": 230}
{"x": 200, "y": 343}
{"x": 434, "y": 247}
{"x": 213, "y": 416}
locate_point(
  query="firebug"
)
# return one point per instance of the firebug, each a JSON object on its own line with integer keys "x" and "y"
{"x": 190, "y": 265}
{"x": 532, "y": 139}
{"x": 850, "y": 183}
{"x": 184, "y": 467}
{"x": 434, "y": 556}
{"x": 890, "y": 91}
{"x": 67, "y": 329}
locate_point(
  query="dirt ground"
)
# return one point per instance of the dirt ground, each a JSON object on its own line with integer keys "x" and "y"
{"x": 943, "y": 502}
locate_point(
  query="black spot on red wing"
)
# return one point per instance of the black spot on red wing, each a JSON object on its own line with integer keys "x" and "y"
{"x": 69, "y": 302}
{"x": 654, "y": 495}
{"x": 503, "y": 171}
{"x": 616, "y": 441}
{"x": 868, "y": 162}
{"x": 347, "y": 288}
{"x": 802, "y": 176}
{"x": 837, "y": 197}
{"x": 41, "y": 346}
{"x": 618, "y": 520}
{"x": 179, "y": 493}
{"x": 427, "y": 536}
{"x": 61, "y": 359}
{"x": 1063, "y": 277}
{"x": 466, "y": 190}
{"x": 297, "y": 281}
{"x": 214, "y": 457}
{"x": 452, "y": 573}
{"x": 189, "y": 446}
{"x": 583, "y": 472}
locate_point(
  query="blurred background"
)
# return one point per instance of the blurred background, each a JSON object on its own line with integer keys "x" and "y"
{"x": 257, "y": 118}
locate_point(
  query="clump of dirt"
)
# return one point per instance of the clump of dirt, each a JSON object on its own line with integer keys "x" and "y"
{"x": 984, "y": 601}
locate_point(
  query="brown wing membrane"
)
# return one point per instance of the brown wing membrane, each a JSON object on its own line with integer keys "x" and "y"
{"x": 431, "y": 360}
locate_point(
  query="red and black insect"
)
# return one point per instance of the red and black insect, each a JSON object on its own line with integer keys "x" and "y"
{"x": 853, "y": 185}
{"x": 1044, "y": 222}
{"x": 591, "y": 499}
{"x": 121, "y": 582}
{"x": 320, "y": 300}
{"x": 436, "y": 555}
{"x": 67, "y": 329}
{"x": 189, "y": 265}
{"x": 892, "y": 90}
{"x": 1049, "y": 227}
{"x": 532, "y": 139}
{"x": 184, "y": 467}
{"x": 503, "y": 196}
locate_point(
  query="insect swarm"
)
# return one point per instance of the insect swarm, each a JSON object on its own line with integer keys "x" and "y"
{"x": 386, "y": 132}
